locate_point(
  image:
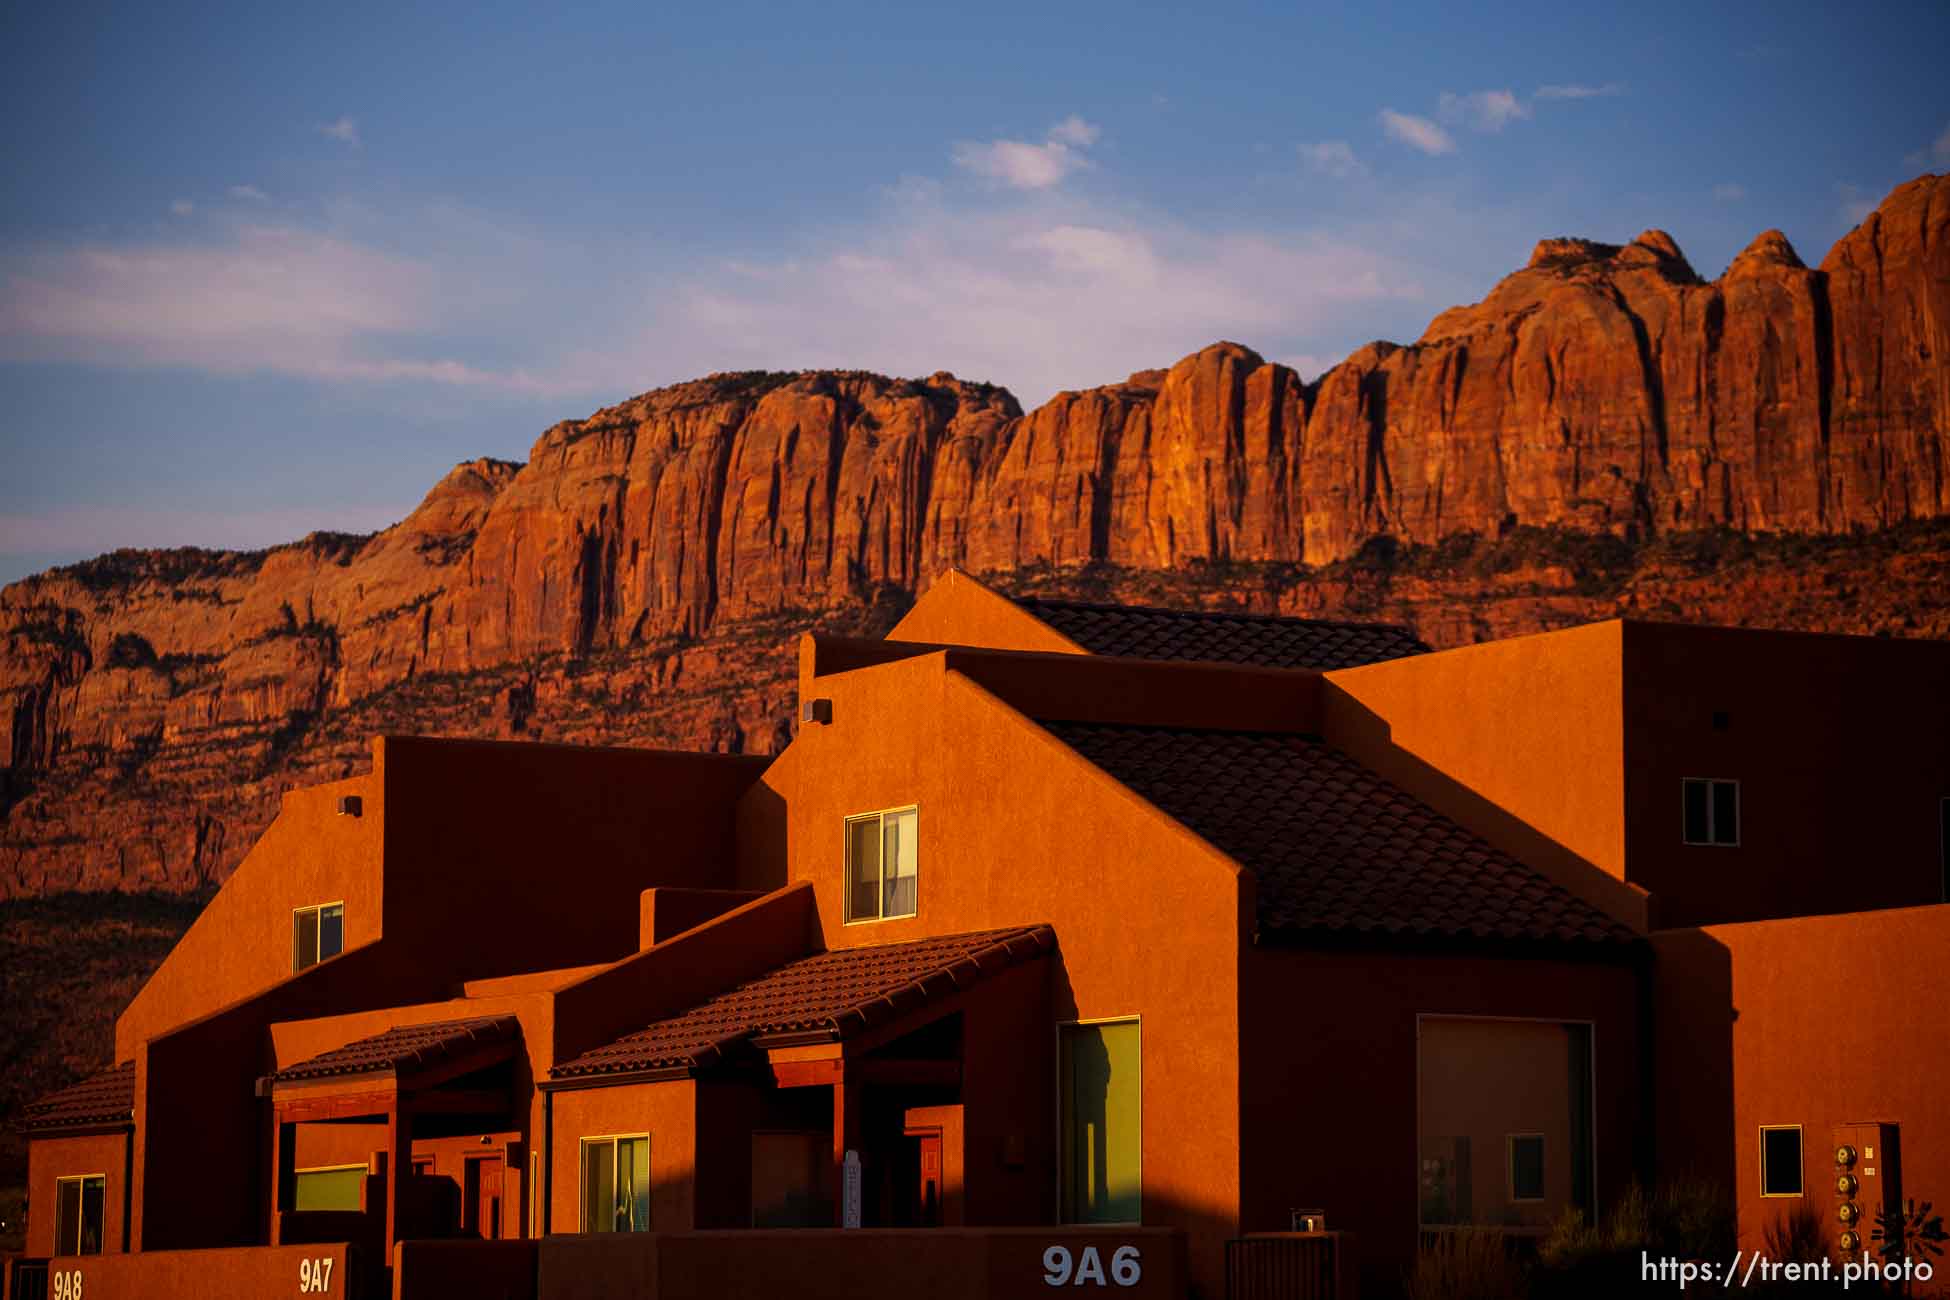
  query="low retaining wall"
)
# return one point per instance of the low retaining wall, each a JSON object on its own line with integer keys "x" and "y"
{"x": 315, "y": 1272}
{"x": 811, "y": 1264}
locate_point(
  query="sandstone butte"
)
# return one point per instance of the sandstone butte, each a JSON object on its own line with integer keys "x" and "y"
{"x": 639, "y": 578}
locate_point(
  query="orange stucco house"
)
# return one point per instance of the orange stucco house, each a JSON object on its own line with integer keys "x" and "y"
{"x": 1065, "y": 945}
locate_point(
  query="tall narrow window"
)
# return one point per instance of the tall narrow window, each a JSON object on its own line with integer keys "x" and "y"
{"x": 1710, "y": 811}
{"x": 1103, "y": 1122}
{"x": 78, "y": 1206}
{"x": 1780, "y": 1160}
{"x": 1526, "y": 1153}
{"x": 616, "y": 1184}
{"x": 883, "y": 865}
{"x": 316, "y": 933}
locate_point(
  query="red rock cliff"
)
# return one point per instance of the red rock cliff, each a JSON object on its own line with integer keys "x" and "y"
{"x": 152, "y": 703}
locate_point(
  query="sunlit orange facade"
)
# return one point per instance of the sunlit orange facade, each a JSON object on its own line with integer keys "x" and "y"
{"x": 1063, "y": 940}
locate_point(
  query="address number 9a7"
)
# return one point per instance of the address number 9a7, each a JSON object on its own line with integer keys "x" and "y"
{"x": 1060, "y": 1268}
{"x": 315, "y": 1276}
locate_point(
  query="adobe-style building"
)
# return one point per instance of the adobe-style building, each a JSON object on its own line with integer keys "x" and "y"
{"x": 1065, "y": 944}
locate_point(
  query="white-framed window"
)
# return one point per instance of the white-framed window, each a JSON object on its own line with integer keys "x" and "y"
{"x": 330, "y": 1187}
{"x": 1709, "y": 811}
{"x": 1100, "y": 1078}
{"x": 1780, "y": 1160}
{"x": 317, "y": 932}
{"x": 1524, "y": 1163}
{"x": 79, "y": 1213}
{"x": 883, "y": 864}
{"x": 616, "y": 1183}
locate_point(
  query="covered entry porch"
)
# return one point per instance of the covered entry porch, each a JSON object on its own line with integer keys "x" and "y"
{"x": 929, "y": 1061}
{"x": 411, "y": 1133}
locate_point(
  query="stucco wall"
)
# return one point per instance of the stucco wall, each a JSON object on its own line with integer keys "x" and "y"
{"x": 667, "y": 1111}
{"x": 1841, "y": 746}
{"x": 1823, "y": 1021}
{"x": 241, "y": 943}
{"x": 1016, "y": 829}
{"x": 1329, "y": 1063}
{"x": 50, "y": 1159}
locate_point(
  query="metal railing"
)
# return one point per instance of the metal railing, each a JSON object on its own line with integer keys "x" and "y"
{"x": 1288, "y": 1266}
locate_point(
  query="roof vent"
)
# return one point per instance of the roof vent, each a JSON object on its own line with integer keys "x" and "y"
{"x": 350, "y": 805}
{"x": 820, "y": 711}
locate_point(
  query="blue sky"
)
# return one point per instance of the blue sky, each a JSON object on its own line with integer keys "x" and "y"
{"x": 265, "y": 269}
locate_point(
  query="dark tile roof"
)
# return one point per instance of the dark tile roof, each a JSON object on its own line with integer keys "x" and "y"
{"x": 839, "y": 992}
{"x": 105, "y": 1098}
{"x": 407, "y": 1048}
{"x": 1336, "y": 848}
{"x": 1255, "y": 639}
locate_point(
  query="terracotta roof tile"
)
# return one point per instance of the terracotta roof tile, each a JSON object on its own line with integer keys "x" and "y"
{"x": 406, "y": 1048}
{"x": 1254, "y": 639}
{"x": 105, "y": 1098}
{"x": 1334, "y": 846}
{"x": 839, "y": 992}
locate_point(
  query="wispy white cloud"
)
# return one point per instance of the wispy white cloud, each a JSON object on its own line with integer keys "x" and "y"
{"x": 1484, "y": 110}
{"x": 1856, "y": 203}
{"x": 93, "y": 529}
{"x": 1037, "y": 288}
{"x": 1729, "y": 192}
{"x": 1417, "y": 132}
{"x": 265, "y": 298}
{"x": 1025, "y": 166}
{"x": 250, "y": 192}
{"x": 1074, "y": 131}
{"x": 1932, "y": 155}
{"x": 1332, "y": 158}
{"x": 1576, "y": 91}
{"x": 344, "y": 130}
{"x": 181, "y": 208}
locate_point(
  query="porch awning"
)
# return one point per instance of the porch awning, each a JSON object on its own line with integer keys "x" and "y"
{"x": 414, "y": 1054}
{"x": 828, "y": 996}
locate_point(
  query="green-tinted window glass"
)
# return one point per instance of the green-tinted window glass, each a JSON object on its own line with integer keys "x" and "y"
{"x": 1103, "y": 1123}
{"x": 330, "y": 1189}
{"x": 616, "y": 1184}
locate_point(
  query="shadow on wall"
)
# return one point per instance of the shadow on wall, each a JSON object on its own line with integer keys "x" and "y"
{"x": 1691, "y": 1009}
{"x": 1367, "y": 736}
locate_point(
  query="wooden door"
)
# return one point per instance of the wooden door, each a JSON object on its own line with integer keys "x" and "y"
{"x": 925, "y": 1205}
{"x": 481, "y": 1197}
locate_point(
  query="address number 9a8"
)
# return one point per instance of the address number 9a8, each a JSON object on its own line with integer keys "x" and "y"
{"x": 65, "y": 1284}
{"x": 1060, "y": 1268}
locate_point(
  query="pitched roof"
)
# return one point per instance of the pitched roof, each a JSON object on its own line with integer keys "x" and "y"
{"x": 1259, "y": 640}
{"x": 1334, "y": 847}
{"x": 104, "y": 1098}
{"x": 407, "y": 1048}
{"x": 839, "y": 992}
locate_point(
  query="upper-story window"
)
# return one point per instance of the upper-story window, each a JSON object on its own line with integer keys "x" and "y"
{"x": 316, "y": 933}
{"x": 883, "y": 871}
{"x": 1710, "y": 811}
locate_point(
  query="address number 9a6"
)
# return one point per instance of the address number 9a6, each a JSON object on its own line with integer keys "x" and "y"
{"x": 1060, "y": 1268}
